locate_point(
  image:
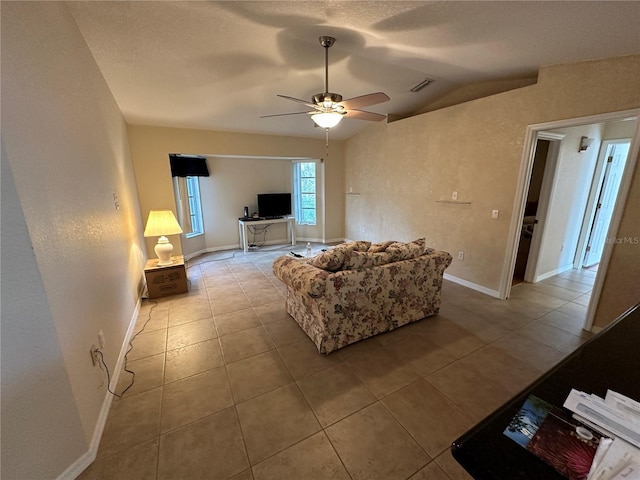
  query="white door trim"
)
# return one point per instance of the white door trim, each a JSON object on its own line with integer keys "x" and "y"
{"x": 546, "y": 192}
{"x": 524, "y": 176}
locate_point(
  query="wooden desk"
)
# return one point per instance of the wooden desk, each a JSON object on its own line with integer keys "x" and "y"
{"x": 243, "y": 224}
{"x": 609, "y": 360}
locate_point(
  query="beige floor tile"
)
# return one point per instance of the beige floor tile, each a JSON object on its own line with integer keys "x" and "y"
{"x": 218, "y": 291}
{"x": 132, "y": 420}
{"x": 554, "y": 337}
{"x": 448, "y": 335}
{"x": 381, "y": 371}
{"x": 430, "y": 472}
{"x": 138, "y": 462}
{"x": 430, "y": 417}
{"x": 256, "y": 375}
{"x": 465, "y": 379}
{"x": 233, "y": 322}
{"x": 334, "y": 394}
{"x": 575, "y": 310}
{"x": 569, "y": 323}
{"x": 479, "y": 325}
{"x": 210, "y": 448}
{"x": 583, "y": 299}
{"x": 275, "y": 421}
{"x": 264, "y": 296}
{"x": 246, "y": 343}
{"x": 272, "y": 312}
{"x": 190, "y": 333}
{"x": 229, "y": 303}
{"x": 189, "y": 312}
{"x": 149, "y": 374}
{"x": 534, "y": 353}
{"x": 156, "y": 318}
{"x": 147, "y": 344}
{"x": 302, "y": 358}
{"x": 197, "y": 358}
{"x": 507, "y": 371}
{"x": 568, "y": 284}
{"x": 537, "y": 297}
{"x": 473, "y": 393}
{"x": 284, "y": 332}
{"x": 451, "y": 467}
{"x": 246, "y": 475}
{"x": 373, "y": 445}
{"x": 312, "y": 459}
{"x": 195, "y": 397}
{"x": 423, "y": 355}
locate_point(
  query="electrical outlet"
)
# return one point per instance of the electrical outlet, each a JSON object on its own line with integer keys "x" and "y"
{"x": 101, "y": 339}
{"x": 94, "y": 355}
{"x": 454, "y": 196}
{"x": 363, "y": 229}
{"x": 460, "y": 255}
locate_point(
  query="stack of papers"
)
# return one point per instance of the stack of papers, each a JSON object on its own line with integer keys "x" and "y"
{"x": 617, "y": 417}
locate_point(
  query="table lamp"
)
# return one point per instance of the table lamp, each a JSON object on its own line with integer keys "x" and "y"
{"x": 159, "y": 224}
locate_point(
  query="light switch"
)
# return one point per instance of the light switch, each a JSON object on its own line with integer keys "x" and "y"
{"x": 494, "y": 214}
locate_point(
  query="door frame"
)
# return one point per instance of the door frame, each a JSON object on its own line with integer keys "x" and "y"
{"x": 546, "y": 191}
{"x": 524, "y": 177}
{"x": 594, "y": 193}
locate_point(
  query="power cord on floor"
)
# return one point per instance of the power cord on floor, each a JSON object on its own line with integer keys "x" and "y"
{"x": 133, "y": 374}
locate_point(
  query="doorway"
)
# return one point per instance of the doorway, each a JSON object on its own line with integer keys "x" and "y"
{"x": 545, "y": 160}
{"x": 606, "y": 184}
{"x": 526, "y": 169}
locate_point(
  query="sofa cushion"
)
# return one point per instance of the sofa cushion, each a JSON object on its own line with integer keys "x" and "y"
{"x": 406, "y": 251}
{"x": 380, "y": 246}
{"x": 331, "y": 260}
{"x": 355, "y": 260}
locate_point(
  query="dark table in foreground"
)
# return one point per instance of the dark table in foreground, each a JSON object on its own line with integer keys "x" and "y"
{"x": 609, "y": 360}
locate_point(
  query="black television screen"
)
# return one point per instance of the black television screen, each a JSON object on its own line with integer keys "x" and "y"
{"x": 274, "y": 205}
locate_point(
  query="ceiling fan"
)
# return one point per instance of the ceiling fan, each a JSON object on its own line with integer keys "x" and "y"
{"x": 329, "y": 108}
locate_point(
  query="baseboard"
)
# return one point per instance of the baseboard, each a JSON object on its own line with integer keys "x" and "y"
{"x": 80, "y": 465}
{"x": 553, "y": 273}
{"x": 472, "y": 286}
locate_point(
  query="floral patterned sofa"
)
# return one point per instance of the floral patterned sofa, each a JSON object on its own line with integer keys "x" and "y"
{"x": 358, "y": 289}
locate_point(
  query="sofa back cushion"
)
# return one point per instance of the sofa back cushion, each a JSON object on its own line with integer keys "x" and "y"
{"x": 333, "y": 259}
{"x": 406, "y": 251}
{"x": 355, "y": 260}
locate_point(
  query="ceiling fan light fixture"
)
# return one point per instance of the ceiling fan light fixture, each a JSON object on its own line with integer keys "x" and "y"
{"x": 326, "y": 119}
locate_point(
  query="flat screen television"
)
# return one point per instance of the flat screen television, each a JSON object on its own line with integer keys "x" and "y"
{"x": 274, "y": 205}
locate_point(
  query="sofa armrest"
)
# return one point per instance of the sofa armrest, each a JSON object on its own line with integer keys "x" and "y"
{"x": 301, "y": 276}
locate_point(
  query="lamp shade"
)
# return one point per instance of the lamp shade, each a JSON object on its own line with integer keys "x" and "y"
{"x": 326, "y": 119}
{"x": 161, "y": 222}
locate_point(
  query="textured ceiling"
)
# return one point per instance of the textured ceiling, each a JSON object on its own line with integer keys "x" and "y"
{"x": 219, "y": 65}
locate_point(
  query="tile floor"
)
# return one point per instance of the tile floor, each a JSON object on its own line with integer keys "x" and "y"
{"x": 228, "y": 386}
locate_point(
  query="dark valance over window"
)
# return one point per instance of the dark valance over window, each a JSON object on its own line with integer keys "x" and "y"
{"x": 188, "y": 166}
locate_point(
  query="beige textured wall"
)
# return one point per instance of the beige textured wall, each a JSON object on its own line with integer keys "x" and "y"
{"x": 65, "y": 142}
{"x": 401, "y": 169}
{"x": 621, "y": 288}
{"x": 150, "y": 147}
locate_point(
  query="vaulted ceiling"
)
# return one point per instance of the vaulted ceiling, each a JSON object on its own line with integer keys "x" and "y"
{"x": 219, "y": 65}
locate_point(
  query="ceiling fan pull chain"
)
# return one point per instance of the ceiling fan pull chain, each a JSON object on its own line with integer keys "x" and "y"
{"x": 327, "y": 141}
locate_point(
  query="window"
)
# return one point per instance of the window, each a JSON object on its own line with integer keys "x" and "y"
{"x": 195, "y": 208}
{"x": 304, "y": 192}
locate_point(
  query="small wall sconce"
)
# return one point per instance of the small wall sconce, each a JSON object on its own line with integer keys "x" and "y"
{"x": 585, "y": 142}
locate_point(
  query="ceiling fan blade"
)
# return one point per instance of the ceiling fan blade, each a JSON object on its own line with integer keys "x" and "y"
{"x": 283, "y": 114}
{"x": 304, "y": 102}
{"x": 365, "y": 100}
{"x": 362, "y": 115}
